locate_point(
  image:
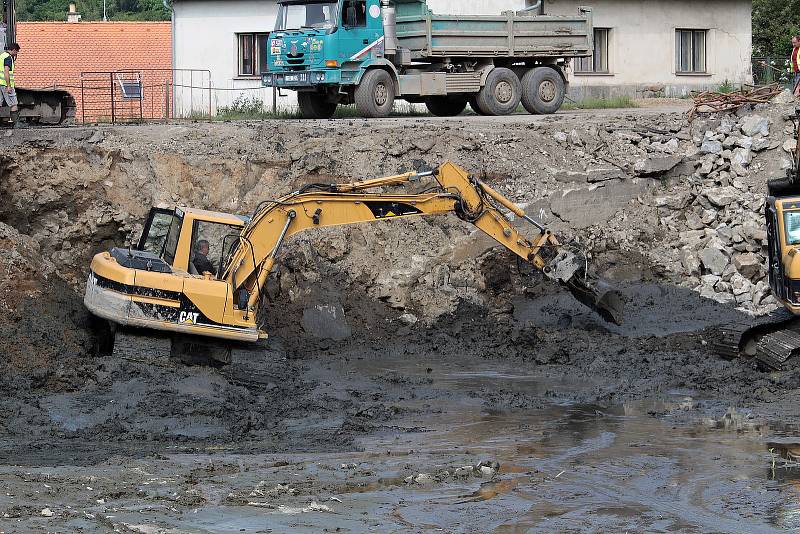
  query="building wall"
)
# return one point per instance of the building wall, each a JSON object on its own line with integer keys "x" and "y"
{"x": 205, "y": 38}
{"x": 642, "y": 45}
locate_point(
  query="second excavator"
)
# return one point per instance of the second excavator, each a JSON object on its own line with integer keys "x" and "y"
{"x": 200, "y": 275}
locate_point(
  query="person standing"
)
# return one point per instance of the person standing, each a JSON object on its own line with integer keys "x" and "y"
{"x": 8, "y": 93}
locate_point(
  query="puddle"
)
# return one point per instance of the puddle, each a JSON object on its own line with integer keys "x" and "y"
{"x": 456, "y": 459}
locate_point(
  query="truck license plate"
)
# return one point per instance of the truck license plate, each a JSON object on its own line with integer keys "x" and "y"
{"x": 291, "y": 77}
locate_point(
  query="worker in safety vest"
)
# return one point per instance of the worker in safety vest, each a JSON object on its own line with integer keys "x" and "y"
{"x": 795, "y": 65}
{"x": 8, "y": 93}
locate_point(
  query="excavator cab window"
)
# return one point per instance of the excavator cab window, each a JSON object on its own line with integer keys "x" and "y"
{"x": 214, "y": 234}
{"x": 154, "y": 234}
{"x": 791, "y": 222}
{"x": 171, "y": 243}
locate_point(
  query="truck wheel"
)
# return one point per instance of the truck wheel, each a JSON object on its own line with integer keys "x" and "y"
{"x": 446, "y": 106}
{"x": 374, "y": 96}
{"x": 474, "y": 105}
{"x": 315, "y": 106}
{"x": 501, "y": 93}
{"x": 543, "y": 90}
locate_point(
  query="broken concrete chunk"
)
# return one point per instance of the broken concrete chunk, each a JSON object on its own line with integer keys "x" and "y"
{"x": 714, "y": 259}
{"x": 408, "y": 318}
{"x": 790, "y": 145}
{"x": 562, "y": 175}
{"x": 711, "y": 146}
{"x": 722, "y": 196}
{"x": 742, "y": 156}
{"x": 655, "y": 165}
{"x": 748, "y": 265}
{"x": 602, "y": 174}
{"x": 690, "y": 262}
{"x": 755, "y": 124}
{"x": 675, "y": 202}
{"x": 759, "y": 143}
{"x": 561, "y": 137}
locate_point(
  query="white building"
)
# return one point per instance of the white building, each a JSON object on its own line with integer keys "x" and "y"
{"x": 663, "y": 48}
{"x": 642, "y": 47}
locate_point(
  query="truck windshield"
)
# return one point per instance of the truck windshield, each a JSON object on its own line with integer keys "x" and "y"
{"x": 321, "y": 15}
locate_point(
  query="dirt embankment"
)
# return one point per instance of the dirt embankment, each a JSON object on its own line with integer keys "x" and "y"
{"x": 650, "y": 197}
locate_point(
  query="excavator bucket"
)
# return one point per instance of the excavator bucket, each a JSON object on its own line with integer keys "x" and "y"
{"x": 599, "y": 296}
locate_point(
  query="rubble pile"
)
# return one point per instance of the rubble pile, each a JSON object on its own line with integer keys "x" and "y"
{"x": 716, "y": 237}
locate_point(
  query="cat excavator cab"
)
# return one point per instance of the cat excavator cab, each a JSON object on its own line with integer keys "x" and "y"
{"x": 157, "y": 284}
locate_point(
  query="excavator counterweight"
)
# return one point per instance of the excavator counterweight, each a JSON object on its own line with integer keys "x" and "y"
{"x": 201, "y": 274}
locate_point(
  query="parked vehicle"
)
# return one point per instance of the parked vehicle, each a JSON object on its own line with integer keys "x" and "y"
{"x": 371, "y": 52}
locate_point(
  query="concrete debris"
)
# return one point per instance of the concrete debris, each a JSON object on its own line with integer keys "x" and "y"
{"x": 723, "y": 196}
{"x": 711, "y": 146}
{"x": 714, "y": 259}
{"x": 655, "y": 165}
{"x": 755, "y": 124}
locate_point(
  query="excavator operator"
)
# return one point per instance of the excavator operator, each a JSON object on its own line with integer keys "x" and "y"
{"x": 200, "y": 260}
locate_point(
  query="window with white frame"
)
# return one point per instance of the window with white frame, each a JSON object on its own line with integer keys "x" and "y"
{"x": 252, "y": 52}
{"x": 598, "y": 62}
{"x": 690, "y": 51}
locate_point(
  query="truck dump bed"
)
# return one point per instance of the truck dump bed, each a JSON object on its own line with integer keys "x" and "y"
{"x": 510, "y": 34}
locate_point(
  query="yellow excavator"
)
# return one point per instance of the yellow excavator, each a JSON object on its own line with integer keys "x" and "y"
{"x": 200, "y": 275}
{"x": 775, "y": 338}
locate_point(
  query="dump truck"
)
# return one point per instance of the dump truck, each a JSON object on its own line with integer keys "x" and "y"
{"x": 200, "y": 275}
{"x": 372, "y": 52}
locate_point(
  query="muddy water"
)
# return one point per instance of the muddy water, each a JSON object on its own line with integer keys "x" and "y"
{"x": 656, "y": 465}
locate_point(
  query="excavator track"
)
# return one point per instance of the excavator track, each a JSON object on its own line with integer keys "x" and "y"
{"x": 771, "y": 339}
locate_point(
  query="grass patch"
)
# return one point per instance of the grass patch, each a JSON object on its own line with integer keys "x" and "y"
{"x": 601, "y": 103}
{"x": 726, "y": 87}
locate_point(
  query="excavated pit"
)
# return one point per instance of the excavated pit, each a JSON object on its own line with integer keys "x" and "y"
{"x": 447, "y": 352}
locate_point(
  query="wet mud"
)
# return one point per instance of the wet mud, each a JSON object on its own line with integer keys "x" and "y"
{"x": 518, "y": 422}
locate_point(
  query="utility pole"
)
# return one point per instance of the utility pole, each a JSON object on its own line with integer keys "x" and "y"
{"x": 105, "y": 19}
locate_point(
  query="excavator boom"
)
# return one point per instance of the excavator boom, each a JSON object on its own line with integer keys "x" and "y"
{"x": 160, "y": 286}
{"x": 459, "y": 193}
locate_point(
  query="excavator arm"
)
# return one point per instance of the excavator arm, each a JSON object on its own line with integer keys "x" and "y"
{"x": 455, "y": 191}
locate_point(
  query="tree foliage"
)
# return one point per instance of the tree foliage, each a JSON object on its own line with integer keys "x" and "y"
{"x": 93, "y": 9}
{"x": 774, "y": 23}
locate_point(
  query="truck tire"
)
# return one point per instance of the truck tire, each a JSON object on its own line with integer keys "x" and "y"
{"x": 315, "y": 106}
{"x": 474, "y": 105}
{"x": 374, "y": 96}
{"x": 543, "y": 90}
{"x": 446, "y": 106}
{"x": 501, "y": 93}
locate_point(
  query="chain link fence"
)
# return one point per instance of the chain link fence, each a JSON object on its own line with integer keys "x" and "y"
{"x": 769, "y": 70}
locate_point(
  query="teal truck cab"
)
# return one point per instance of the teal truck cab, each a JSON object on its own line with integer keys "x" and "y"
{"x": 371, "y": 52}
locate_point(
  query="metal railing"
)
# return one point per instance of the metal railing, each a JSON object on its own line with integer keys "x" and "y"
{"x": 768, "y": 70}
{"x": 135, "y": 95}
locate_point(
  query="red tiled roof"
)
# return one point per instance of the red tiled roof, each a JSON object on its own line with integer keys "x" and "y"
{"x": 57, "y": 52}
